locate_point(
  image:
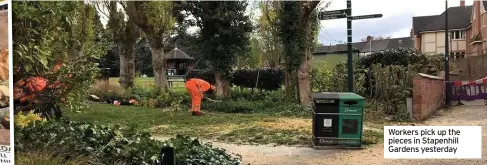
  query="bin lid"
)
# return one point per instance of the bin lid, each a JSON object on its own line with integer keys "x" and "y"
{"x": 338, "y": 96}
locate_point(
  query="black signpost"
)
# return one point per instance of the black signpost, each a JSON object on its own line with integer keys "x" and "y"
{"x": 336, "y": 14}
{"x": 347, "y": 13}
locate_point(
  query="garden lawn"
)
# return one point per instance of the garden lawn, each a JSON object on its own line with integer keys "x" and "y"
{"x": 225, "y": 127}
{"x": 328, "y": 61}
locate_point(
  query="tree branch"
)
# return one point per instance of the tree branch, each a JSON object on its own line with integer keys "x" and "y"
{"x": 99, "y": 10}
{"x": 308, "y": 7}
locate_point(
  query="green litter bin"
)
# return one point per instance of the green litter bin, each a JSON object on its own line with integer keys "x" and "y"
{"x": 337, "y": 120}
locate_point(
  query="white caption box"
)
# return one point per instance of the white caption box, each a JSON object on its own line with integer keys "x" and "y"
{"x": 433, "y": 142}
{"x": 5, "y": 155}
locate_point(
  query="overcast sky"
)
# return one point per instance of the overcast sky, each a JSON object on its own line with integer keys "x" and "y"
{"x": 396, "y": 20}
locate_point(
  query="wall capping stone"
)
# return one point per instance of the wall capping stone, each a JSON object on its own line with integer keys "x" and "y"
{"x": 430, "y": 76}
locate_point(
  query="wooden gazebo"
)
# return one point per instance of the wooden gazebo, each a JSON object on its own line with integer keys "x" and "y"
{"x": 178, "y": 64}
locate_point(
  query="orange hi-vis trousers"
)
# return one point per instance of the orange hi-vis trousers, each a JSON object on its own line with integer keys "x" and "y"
{"x": 196, "y": 87}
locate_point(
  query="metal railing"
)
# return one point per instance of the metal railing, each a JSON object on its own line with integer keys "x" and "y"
{"x": 469, "y": 90}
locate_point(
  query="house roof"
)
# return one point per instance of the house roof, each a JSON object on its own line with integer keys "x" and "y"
{"x": 422, "y": 21}
{"x": 377, "y": 45}
{"x": 458, "y": 18}
{"x": 177, "y": 54}
{"x": 404, "y": 42}
{"x": 339, "y": 48}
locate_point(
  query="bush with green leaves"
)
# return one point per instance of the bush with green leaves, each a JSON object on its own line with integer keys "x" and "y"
{"x": 335, "y": 80}
{"x": 113, "y": 144}
{"x": 266, "y": 79}
{"x": 321, "y": 79}
{"x": 392, "y": 85}
{"x": 399, "y": 56}
{"x": 48, "y": 33}
{"x": 204, "y": 74}
{"x": 268, "y": 102}
{"x": 149, "y": 97}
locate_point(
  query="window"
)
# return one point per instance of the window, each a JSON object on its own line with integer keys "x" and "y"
{"x": 458, "y": 34}
{"x": 457, "y": 55}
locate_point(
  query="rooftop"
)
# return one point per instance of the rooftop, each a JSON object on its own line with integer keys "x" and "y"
{"x": 375, "y": 45}
{"x": 458, "y": 18}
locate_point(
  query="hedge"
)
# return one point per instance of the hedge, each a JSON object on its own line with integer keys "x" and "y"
{"x": 269, "y": 79}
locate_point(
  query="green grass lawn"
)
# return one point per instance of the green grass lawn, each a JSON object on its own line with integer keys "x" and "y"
{"x": 226, "y": 127}
{"x": 329, "y": 61}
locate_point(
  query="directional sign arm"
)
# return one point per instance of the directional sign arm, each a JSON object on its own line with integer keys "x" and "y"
{"x": 366, "y": 16}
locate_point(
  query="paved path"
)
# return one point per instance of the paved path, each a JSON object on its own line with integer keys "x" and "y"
{"x": 473, "y": 114}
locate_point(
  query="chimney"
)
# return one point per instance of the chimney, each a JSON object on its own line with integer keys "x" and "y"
{"x": 462, "y": 3}
{"x": 369, "y": 38}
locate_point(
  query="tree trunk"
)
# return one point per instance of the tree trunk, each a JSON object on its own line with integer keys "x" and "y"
{"x": 304, "y": 81}
{"x": 291, "y": 86}
{"x": 127, "y": 54}
{"x": 303, "y": 85}
{"x": 159, "y": 68}
{"x": 222, "y": 86}
{"x": 127, "y": 65}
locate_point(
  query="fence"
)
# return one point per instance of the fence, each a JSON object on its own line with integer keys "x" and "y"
{"x": 469, "y": 90}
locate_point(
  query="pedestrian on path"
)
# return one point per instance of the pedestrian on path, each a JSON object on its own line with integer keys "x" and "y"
{"x": 196, "y": 88}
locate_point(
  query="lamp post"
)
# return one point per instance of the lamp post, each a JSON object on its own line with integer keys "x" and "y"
{"x": 447, "y": 60}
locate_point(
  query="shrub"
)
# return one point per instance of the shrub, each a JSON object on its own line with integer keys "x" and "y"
{"x": 112, "y": 145}
{"x": 400, "y": 56}
{"x": 265, "y": 106}
{"x": 269, "y": 102}
{"x": 139, "y": 91}
{"x": 337, "y": 79}
{"x": 21, "y": 120}
{"x": 269, "y": 79}
{"x": 245, "y": 94}
{"x": 321, "y": 79}
{"x": 206, "y": 75}
{"x": 392, "y": 85}
{"x": 107, "y": 91}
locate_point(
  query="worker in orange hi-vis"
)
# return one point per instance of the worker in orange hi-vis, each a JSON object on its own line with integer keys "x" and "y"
{"x": 196, "y": 88}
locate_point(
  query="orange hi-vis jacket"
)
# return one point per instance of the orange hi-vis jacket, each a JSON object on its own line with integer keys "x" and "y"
{"x": 196, "y": 87}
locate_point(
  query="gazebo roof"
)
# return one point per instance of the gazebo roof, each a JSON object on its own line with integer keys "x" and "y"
{"x": 177, "y": 54}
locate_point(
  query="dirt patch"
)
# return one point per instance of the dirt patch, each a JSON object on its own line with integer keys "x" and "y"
{"x": 159, "y": 127}
{"x": 287, "y": 124}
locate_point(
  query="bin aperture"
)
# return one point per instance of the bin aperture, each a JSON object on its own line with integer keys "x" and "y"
{"x": 337, "y": 119}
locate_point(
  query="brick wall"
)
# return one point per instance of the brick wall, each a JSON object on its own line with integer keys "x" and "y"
{"x": 472, "y": 68}
{"x": 428, "y": 95}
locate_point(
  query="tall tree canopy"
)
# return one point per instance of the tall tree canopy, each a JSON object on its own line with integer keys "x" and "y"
{"x": 156, "y": 20}
{"x": 125, "y": 34}
{"x": 268, "y": 32}
{"x": 224, "y": 33}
